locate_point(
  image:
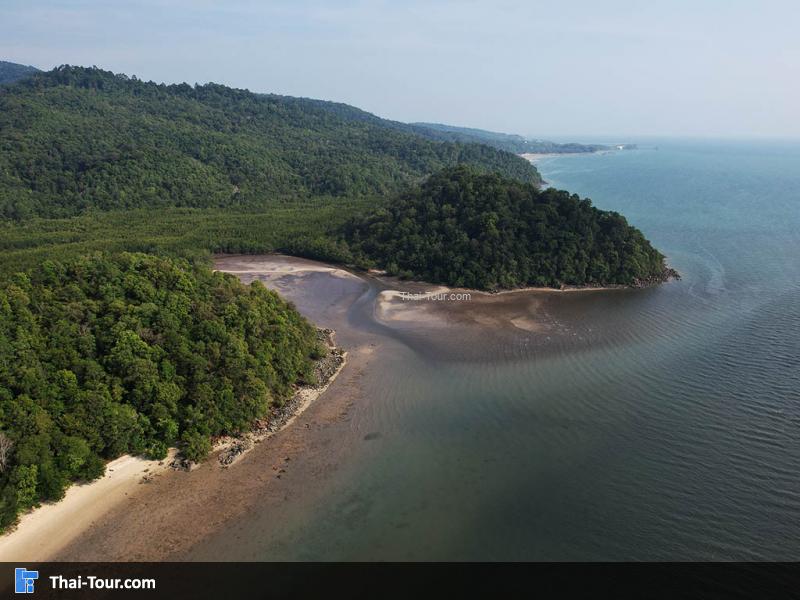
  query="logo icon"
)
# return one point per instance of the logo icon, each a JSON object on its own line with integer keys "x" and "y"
{"x": 24, "y": 579}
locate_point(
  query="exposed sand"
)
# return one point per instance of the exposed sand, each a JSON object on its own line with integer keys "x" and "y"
{"x": 392, "y": 306}
{"x": 416, "y": 304}
{"x": 534, "y": 157}
{"x": 46, "y": 530}
{"x": 277, "y": 265}
{"x": 117, "y": 519}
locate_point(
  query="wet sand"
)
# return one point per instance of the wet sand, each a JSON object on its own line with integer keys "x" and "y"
{"x": 172, "y": 515}
{"x": 45, "y": 531}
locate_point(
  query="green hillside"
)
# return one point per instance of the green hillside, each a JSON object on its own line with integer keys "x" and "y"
{"x": 467, "y": 229}
{"x": 115, "y": 336}
{"x": 438, "y": 132}
{"x": 11, "y": 72}
{"x": 75, "y": 139}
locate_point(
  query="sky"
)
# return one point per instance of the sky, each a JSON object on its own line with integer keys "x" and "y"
{"x": 561, "y": 69}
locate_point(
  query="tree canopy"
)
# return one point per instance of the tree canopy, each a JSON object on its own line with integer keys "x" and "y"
{"x": 105, "y": 355}
{"x": 104, "y": 351}
{"x": 11, "y": 72}
{"x": 485, "y": 231}
{"x": 75, "y": 139}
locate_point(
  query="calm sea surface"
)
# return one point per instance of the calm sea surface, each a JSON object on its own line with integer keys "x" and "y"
{"x": 673, "y": 432}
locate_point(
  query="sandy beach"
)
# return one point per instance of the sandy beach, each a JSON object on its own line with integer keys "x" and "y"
{"x": 43, "y": 532}
{"x": 534, "y": 157}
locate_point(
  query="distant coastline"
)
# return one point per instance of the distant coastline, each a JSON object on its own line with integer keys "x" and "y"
{"x": 534, "y": 157}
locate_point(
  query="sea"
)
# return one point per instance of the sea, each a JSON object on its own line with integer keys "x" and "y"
{"x": 656, "y": 424}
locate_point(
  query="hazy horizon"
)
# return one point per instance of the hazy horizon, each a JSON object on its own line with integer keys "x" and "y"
{"x": 548, "y": 69}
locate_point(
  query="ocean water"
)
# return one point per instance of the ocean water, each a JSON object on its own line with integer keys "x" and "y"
{"x": 660, "y": 424}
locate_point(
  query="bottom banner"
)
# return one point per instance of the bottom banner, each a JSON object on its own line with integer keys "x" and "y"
{"x": 400, "y": 580}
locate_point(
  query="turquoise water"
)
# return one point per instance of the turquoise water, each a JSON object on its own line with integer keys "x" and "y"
{"x": 671, "y": 431}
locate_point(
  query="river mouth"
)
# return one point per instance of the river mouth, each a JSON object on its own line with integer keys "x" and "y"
{"x": 464, "y": 399}
{"x": 443, "y": 323}
{"x": 600, "y": 425}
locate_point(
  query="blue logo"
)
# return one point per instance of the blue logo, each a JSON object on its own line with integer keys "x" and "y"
{"x": 23, "y": 580}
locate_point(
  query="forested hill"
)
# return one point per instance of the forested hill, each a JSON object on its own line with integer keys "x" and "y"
{"x": 79, "y": 138}
{"x": 106, "y": 355}
{"x": 11, "y": 72}
{"x": 507, "y": 142}
{"x": 481, "y": 231}
{"x": 502, "y": 141}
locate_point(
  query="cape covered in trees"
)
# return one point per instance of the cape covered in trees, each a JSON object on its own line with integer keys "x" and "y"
{"x": 486, "y": 231}
{"x": 76, "y": 138}
{"x": 133, "y": 353}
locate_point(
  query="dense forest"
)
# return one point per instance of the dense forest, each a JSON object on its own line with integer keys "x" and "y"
{"x": 11, "y": 72}
{"x": 302, "y": 228}
{"x": 105, "y": 355}
{"x": 75, "y": 139}
{"x": 485, "y": 231}
{"x": 507, "y": 142}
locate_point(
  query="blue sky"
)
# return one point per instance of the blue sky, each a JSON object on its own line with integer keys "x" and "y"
{"x": 542, "y": 68}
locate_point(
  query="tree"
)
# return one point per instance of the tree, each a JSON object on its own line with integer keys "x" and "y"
{"x": 6, "y": 446}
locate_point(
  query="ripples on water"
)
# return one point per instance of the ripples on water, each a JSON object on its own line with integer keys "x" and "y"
{"x": 652, "y": 424}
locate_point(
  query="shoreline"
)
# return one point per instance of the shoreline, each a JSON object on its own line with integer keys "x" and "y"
{"x": 534, "y": 157}
{"x": 229, "y": 450}
{"x": 43, "y": 532}
{"x": 669, "y": 274}
{"x": 380, "y": 276}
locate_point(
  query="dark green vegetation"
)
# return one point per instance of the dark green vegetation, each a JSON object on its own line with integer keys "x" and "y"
{"x": 11, "y": 72}
{"x": 102, "y": 356}
{"x": 502, "y": 141}
{"x": 301, "y": 228}
{"x": 75, "y": 139}
{"x": 468, "y": 229}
